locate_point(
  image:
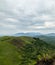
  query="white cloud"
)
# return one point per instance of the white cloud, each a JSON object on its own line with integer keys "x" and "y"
{"x": 7, "y": 26}
{"x": 37, "y": 27}
{"x": 27, "y": 15}
{"x": 11, "y": 20}
{"x": 49, "y": 24}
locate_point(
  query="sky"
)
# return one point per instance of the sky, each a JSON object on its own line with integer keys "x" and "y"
{"x": 27, "y": 16}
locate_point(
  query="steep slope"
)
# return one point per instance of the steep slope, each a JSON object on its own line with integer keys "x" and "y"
{"x": 36, "y": 51}
{"x": 24, "y": 50}
{"x": 9, "y": 54}
{"x": 48, "y": 39}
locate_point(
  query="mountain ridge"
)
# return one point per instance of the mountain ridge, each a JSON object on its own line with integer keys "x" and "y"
{"x": 33, "y": 34}
{"x": 24, "y": 50}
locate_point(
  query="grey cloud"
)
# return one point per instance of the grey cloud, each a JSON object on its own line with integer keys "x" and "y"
{"x": 27, "y": 13}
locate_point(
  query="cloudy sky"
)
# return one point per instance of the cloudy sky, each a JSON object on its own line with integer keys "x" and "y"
{"x": 27, "y": 16}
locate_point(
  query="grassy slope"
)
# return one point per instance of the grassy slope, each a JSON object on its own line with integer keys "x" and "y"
{"x": 23, "y": 50}
{"x": 48, "y": 39}
{"x": 9, "y": 54}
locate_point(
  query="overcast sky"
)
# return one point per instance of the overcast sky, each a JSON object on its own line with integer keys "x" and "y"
{"x": 27, "y": 16}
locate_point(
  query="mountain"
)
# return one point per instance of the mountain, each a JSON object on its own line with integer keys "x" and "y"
{"x": 48, "y": 39}
{"x": 50, "y": 34}
{"x": 31, "y": 34}
{"x": 24, "y": 50}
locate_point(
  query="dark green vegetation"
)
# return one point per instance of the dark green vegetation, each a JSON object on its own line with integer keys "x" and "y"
{"x": 48, "y": 39}
{"x": 24, "y": 50}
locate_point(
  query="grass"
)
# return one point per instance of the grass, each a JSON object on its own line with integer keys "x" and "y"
{"x": 24, "y": 50}
{"x": 9, "y": 54}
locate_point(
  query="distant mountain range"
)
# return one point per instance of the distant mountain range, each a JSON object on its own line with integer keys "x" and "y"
{"x": 34, "y": 34}
{"x": 49, "y": 38}
{"x": 30, "y": 34}
{"x": 50, "y": 34}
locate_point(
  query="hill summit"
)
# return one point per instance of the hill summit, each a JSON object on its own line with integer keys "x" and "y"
{"x": 24, "y": 50}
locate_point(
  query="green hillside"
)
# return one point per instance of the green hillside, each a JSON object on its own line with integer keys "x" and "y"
{"x": 24, "y": 50}
{"x": 48, "y": 39}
